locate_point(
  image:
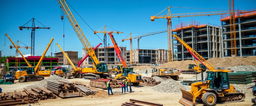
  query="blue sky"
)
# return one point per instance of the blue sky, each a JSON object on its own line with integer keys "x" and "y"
{"x": 122, "y": 15}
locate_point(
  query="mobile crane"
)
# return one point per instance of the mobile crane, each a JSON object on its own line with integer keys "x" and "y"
{"x": 215, "y": 87}
{"x": 126, "y": 73}
{"x": 99, "y": 69}
{"x": 31, "y": 74}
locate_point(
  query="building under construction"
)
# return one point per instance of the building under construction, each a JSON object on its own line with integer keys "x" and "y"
{"x": 14, "y": 63}
{"x": 73, "y": 55}
{"x": 147, "y": 56}
{"x": 205, "y": 39}
{"x": 106, "y": 55}
{"x": 245, "y": 34}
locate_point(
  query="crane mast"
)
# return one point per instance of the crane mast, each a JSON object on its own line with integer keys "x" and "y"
{"x": 102, "y": 67}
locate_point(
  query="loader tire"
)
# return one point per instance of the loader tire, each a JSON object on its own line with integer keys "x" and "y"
{"x": 22, "y": 79}
{"x": 209, "y": 99}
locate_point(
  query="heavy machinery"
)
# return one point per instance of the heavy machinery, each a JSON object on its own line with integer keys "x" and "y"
{"x": 99, "y": 69}
{"x": 215, "y": 87}
{"x": 126, "y": 73}
{"x": 166, "y": 73}
{"x": 31, "y": 74}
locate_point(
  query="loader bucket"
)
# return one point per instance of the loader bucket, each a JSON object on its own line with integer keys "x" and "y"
{"x": 187, "y": 98}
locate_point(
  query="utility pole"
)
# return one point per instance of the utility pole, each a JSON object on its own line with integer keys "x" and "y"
{"x": 33, "y": 28}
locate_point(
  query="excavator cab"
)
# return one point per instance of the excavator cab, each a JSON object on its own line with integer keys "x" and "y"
{"x": 102, "y": 67}
{"x": 218, "y": 80}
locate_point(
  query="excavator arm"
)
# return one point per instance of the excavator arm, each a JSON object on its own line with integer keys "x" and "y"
{"x": 117, "y": 50}
{"x": 29, "y": 65}
{"x": 42, "y": 57}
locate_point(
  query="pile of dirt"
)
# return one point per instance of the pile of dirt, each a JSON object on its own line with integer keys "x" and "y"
{"x": 243, "y": 68}
{"x": 168, "y": 86}
{"x": 216, "y": 62}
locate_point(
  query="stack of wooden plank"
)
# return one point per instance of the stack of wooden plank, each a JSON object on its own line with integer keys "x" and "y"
{"x": 15, "y": 98}
{"x": 242, "y": 77}
{"x": 65, "y": 89}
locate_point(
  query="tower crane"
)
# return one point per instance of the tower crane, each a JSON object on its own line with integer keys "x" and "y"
{"x": 105, "y": 32}
{"x": 18, "y": 46}
{"x": 101, "y": 68}
{"x": 33, "y": 31}
{"x": 169, "y": 17}
{"x": 138, "y": 41}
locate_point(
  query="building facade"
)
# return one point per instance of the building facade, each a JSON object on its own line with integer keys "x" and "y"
{"x": 245, "y": 34}
{"x": 112, "y": 57}
{"x": 14, "y": 63}
{"x": 73, "y": 55}
{"x": 205, "y": 39}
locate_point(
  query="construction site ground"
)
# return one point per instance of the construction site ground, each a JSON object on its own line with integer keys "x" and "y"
{"x": 147, "y": 93}
{"x": 101, "y": 98}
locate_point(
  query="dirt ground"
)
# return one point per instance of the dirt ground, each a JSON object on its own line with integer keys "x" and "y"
{"x": 101, "y": 98}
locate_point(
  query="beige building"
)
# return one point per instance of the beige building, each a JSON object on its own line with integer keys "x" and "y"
{"x": 73, "y": 55}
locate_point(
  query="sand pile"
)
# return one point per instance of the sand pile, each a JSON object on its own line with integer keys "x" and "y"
{"x": 216, "y": 62}
{"x": 168, "y": 86}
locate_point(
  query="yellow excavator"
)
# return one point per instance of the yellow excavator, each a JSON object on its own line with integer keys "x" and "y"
{"x": 125, "y": 72}
{"x": 215, "y": 88}
{"x": 99, "y": 70}
{"x": 31, "y": 74}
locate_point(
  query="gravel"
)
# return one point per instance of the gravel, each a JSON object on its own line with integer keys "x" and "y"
{"x": 158, "y": 79}
{"x": 169, "y": 86}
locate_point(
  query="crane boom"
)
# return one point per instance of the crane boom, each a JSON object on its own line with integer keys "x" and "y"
{"x": 29, "y": 65}
{"x": 67, "y": 57}
{"x": 196, "y": 55}
{"x": 117, "y": 49}
{"x": 78, "y": 31}
{"x": 144, "y": 35}
{"x": 82, "y": 60}
{"x": 43, "y": 55}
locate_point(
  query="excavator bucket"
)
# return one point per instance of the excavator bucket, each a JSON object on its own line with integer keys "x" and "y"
{"x": 187, "y": 98}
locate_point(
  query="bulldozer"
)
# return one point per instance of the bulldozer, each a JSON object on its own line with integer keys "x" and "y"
{"x": 165, "y": 73}
{"x": 214, "y": 88}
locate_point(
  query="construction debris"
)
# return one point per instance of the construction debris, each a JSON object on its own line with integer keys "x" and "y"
{"x": 168, "y": 86}
{"x": 102, "y": 83}
{"x": 134, "y": 102}
{"x": 150, "y": 81}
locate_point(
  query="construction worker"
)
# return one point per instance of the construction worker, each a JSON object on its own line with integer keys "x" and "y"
{"x": 126, "y": 85}
{"x": 130, "y": 85}
{"x": 123, "y": 86}
{"x": 0, "y": 90}
{"x": 109, "y": 87}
